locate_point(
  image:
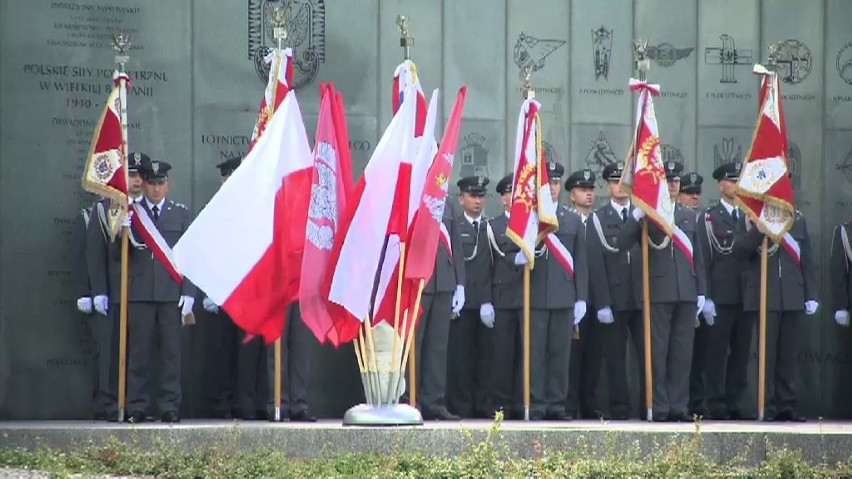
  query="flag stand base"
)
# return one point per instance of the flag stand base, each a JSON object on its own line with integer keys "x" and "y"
{"x": 386, "y": 415}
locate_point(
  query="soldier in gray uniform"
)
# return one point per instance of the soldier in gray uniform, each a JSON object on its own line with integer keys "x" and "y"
{"x": 443, "y": 297}
{"x": 103, "y": 258}
{"x": 678, "y": 289}
{"x": 156, "y": 304}
{"x": 238, "y": 370}
{"x": 618, "y": 308}
{"x": 507, "y": 291}
{"x": 725, "y": 373}
{"x": 297, "y": 343}
{"x": 690, "y": 197}
{"x": 790, "y": 294}
{"x": 586, "y": 354}
{"x": 469, "y": 349}
{"x": 838, "y": 268}
{"x": 558, "y": 303}
{"x": 83, "y": 292}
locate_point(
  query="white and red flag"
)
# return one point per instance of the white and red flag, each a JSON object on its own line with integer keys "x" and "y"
{"x": 330, "y": 189}
{"x": 533, "y": 211}
{"x": 260, "y": 215}
{"x": 764, "y": 189}
{"x": 358, "y": 246}
{"x": 105, "y": 173}
{"x": 405, "y": 76}
{"x": 644, "y": 174}
{"x": 277, "y": 86}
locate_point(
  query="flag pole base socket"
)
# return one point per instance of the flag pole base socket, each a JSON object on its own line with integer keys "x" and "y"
{"x": 384, "y": 415}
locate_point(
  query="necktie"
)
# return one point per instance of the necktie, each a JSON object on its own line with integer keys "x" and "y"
{"x": 624, "y": 215}
{"x": 736, "y": 214}
{"x": 476, "y": 225}
{"x": 156, "y": 210}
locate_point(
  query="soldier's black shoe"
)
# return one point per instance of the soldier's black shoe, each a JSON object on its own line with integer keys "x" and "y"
{"x": 136, "y": 418}
{"x": 770, "y": 416}
{"x": 112, "y": 416}
{"x": 790, "y": 416}
{"x": 619, "y": 416}
{"x": 441, "y": 415}
{"x": 536, "y": 415}
{"x": 558, "y": 416}
{"x": 247, "y": 416}
{"x": 741, "y": 416}
{"x": 680, "y": 417}
{"x": 222, "y": 414}
{"x": 659, "y": 417}
{"x": 302, "y": 416}
{"x": 170, "y": 417}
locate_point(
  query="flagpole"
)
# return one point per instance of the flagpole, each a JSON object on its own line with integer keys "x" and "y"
{"x": 121, "y": 43}
{"x": 642, "y": 66}
{"x": 761, "y": 359}
{"x": 279, "y": 16}
{"x": 410, "y": 354}
{"x": 529, "y": 94}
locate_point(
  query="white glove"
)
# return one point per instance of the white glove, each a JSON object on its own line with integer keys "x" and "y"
{"x": 458, "y": 300}
{"x": 520, "y": 259}
{"x": 811, "y": 307}
{"x": 486, "y": 315}
{"x": 101, "y": 303}
{"x": 84, "y": 305}
{"x": 638, "y": 213}
{"x": 841, "y": 317}
{"x": 605, "y": 316}
{"x": 709, "y": 311}
{"x": 185, "y": 304}
{"x": 210, "y": 305}
{"x": 579, "y": 311}
{"x": 700, "y": 303}
{"x": 127, "y": 218}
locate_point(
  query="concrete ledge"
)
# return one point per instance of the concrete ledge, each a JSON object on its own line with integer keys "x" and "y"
{"x": 743, "y": 442}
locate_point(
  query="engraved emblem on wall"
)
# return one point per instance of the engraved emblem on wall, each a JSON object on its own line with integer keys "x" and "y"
{"x": 549, "y": 153}
{"x": 844, "y": 63}
{"x": 728, "y": 57}
{"x": 794, "y": 61}
{"x": 600, "y": 155}
{"x": 727, "y": 151}
{"x": 671, "y": 153}
{"x": 845, "y": 166}
{"x": 474, "y": 156}
{"x": 666, "y": 54}
{"x": 305, "y": 35}
{"x": 531, "y": 51}
{"x": 794, "y": 160}
{"x": 602, "y": 51}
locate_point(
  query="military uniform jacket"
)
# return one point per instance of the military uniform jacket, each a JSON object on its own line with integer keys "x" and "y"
{"x": 79, "y": 267}
{"x": 148, "y": 279}
{"x": 103, "y": 256}
{"x": 449, "y": 271}
{"x": 787, "y": 286}
{"x": 621, "y": 268}
{"x": 839, "y": 268}
{"x": 507, "y": 283}
{"x": 477, "y": 262}
{"x": 673, "y": 278}
{"x": 725, "y": 273}
{"x": 551, "y": 287}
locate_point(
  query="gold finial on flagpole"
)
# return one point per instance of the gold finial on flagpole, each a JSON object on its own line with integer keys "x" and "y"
{"x": 527, "y": 89}
{"x": 642, "y": 64}
{"x": 121, "y": 42}
{"x": 279, "y": 16}
{"x": 772, "y": 60}
{"x": 406, "y": 41}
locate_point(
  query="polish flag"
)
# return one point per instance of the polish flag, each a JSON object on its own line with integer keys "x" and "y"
{"x": 260, "y": 215}
{"x": 331, "y": 186}
{"x": 405, "y": 76}
{"x": 357, "y": 251}
{"x": 277, "y": 87}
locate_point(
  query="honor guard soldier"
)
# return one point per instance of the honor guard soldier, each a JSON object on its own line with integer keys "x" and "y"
{"x": 839, "y": 263}
{"x": 729, "y": 340}
{"x": 297, "y": 343}
{"x": 507, "y": 286}
{"x": 558, "y": 304}
{"x": 618, "y": 309}
{"x": 677, "y": 288}
{"x": 690, "y": 191}
{"x": 443, "y": 298}
{"x": 238, "y": 383}
{"x": 103, "y": 256}
{"x": 586, "y": 355}
{"x": 83, "y": 292}
{"x": 156, "y": 304}
{"x": 790, "y": 294}
{"x": 469, "y": 351}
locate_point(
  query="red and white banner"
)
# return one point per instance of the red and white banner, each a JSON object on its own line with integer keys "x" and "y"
{"x": 358, "y": 247}
{"x": 105, "y": 173}
{"x": 560, "y": 252}
{"x": 764, "y": 189}
{"x": 644, "y": 174}
{"x": 161, "y": 250}
{"x": 533, "y": 212}
{"x": 330, "y": 189}
{"x": 260, "y": 214}
{"x": 277, "y": 86}
{"x": 405, "y": 76}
